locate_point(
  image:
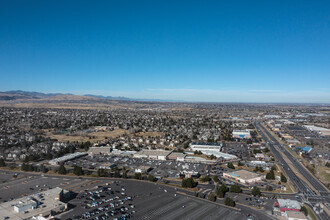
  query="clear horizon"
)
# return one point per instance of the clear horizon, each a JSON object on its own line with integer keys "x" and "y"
{"x": 252, "y": 52}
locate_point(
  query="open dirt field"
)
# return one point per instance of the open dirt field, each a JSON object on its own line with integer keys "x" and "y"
{"x": 92, "y": 137}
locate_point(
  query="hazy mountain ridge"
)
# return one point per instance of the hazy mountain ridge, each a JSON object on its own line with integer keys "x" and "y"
{"x": 19, "y": 95}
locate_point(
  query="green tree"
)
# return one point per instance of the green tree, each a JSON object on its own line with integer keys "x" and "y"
{"x": 304, "y": 210}
{"x": 235, "y": 189}
{"x": 212, "y": 157}
{"x": 256, "y": 191}
{"x": 221, "y": 190}
{"x": 205, "y": 178}
{"x": 196, "y": 152}
{"x": 24, "y": 167}
{"x": 102, "y": 173}
{"x": 152, "y": 178}
{"x": 270, "y": 175}
{"x": 116, "y": 174}
{"x": 62, "y": 170}
{"x": 2, "y": 162}
{"x": 230, "y": 165}
{"x": 269, "y": 188}
{"x": 27, "y": 167}
{"x": 188, "y": 183}
{"x": 186, "y": 145}
{"x": 43, "y": 168}
{"x": 212, "y": 197}
{"x": 229, "y": 202}
{"x": 138, "y": 176}
{"x": 258, "y": 169}
{"x": 283, "y": 178}
{"x": 215, "y": 179}
{"x": 255, "y": 151}
{"x": 78, "y": 171}
{"x": 240, "y": 164}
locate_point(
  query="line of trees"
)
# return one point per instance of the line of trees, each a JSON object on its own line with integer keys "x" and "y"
{"x": 2, "y": 162}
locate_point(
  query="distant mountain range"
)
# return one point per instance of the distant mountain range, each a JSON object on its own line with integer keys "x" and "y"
{"x": 26, "y": 95}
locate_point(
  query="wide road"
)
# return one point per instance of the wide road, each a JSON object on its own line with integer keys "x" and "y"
{"x": 302, "y": 187}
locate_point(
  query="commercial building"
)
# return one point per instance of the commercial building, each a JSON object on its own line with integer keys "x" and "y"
{"x": 177, "y": 156}
{"x": 193, "y": 159}
{"x": 99, "y": 151}
{"x": 283, "y": 205}
{"x": 294, "y": 215}
{"x": 142, "y": 169}
{"x": 42, "y": 205}
{"x": 306, "y": 149}
{"x": 260, "y": 156}
{"x": 153, "y": 154}
{"x": 244, "y": 177}
{"x": 205, "y": 146}
{"x": 107, "y": 150}
{"x": 320, "y": 130}
{"x": 211, "y": 149}
{"x": 25, "y": 204}
{"x": 243, "y": 134}
{"x": 67, "y": 157}
{"x": 190, "y": 173}
{"x": 107, "y": 166}
{"x": 224, "y": 156}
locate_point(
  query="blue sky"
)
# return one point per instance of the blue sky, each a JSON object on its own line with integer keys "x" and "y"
{"x": 219, "y": 51}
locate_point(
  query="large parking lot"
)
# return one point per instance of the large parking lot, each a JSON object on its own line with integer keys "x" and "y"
{"x": 110, "y": 199}
{"x": 139, "y": 200}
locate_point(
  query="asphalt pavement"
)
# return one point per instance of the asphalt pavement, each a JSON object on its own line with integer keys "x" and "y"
{"x": 308, "y": 195}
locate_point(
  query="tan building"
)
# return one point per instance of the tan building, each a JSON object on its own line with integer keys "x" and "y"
{"x": 294, "y": 215}
{"x": 244, "y": 176}
{"x": 177, "y": 156}
{"x": 99, "y": 151}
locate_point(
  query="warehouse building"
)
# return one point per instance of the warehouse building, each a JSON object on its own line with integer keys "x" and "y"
{"x": 67, "y": 157}
{"x": 153, "y": 154}
{"x": 244, "y": 177}
{"x": 107, "y": 150}
{"x": 195, "y": 146}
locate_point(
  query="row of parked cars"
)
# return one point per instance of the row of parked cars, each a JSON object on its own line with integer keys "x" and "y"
{"x": 107, "y": 203}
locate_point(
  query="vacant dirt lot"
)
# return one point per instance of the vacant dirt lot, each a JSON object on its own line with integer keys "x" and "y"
{"x": 92, "y": 137}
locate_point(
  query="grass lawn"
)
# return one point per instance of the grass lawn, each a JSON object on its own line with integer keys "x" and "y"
{"x": 324, "y": 173}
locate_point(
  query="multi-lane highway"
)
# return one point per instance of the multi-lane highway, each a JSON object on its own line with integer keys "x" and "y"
{"x": 310, "y": 196}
